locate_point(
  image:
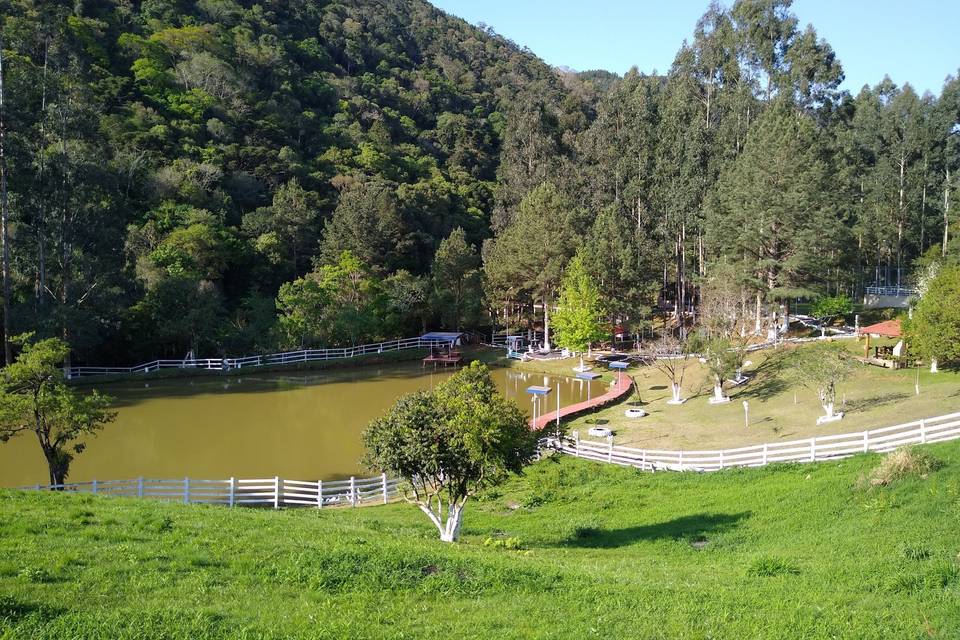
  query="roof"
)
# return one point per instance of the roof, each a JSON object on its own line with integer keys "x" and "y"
{"x": 887, "y": 328}
{"x": 442, "y": 336}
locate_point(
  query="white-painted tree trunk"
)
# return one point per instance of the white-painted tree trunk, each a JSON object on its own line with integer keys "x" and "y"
{"x": 933, "y": 365}
{"x": 675, "y": 389}
{"x": 718, "y": 392}
{"x": 449, "y": 529}
{"x": 828, "y": 408}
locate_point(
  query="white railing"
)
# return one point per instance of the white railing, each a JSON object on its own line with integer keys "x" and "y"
{"x": 819, "y": 448}
{"x": 901, "y": 292}
{"x": 288, "y": 357}
{"x": 264, "y": 492}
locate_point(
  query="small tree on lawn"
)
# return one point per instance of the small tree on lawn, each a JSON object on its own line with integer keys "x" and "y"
{"x": 723, "y": 361}
{"x": 450, "y": 442}
{"x": 34, "y": 397}
{"x": 577, "y": 322}
{"x": 821, "y": 368}
{"x": 828, "y": 308}
{"x": 934, "y": 330}
{"x": 671, "y": 357}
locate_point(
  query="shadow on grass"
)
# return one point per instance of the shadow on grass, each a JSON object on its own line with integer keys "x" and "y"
{"x": 14, "y": 610}
{"x": 693, "y": 528}
{"x": 768, "y": 380}
{"x": 881, "y": 400}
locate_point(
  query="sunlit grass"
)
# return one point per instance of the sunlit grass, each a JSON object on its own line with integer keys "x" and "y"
{"x": 571, "y": 550}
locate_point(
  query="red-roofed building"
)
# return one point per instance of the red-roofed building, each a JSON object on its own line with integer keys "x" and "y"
{"x": 885, "y": 329}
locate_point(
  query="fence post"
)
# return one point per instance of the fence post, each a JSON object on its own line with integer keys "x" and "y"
{"x": 140, "y": 487}
{"x": 232, "y": 495}
{"x": 643, "y": 459}
{"x": 923, "y": 431}
{"x": 866, "y": 441}
{"x": 37, "y": 486}
{"x": 721, "y": 459}
{"x": 813, "y": 449}
{"x": 764, "y": 453}
{"x": 576, "y": 443}
{"x": 383, "y": 478}
{"x": 276, "y": 492}
{"x": 680, "y": 459}
{"x": 186, "y": 490}
{"x": 319, "y": 494}
{"x": 609, "y": 445}
{"x": 94, "y": 486}
{"x": 353, "y": 491}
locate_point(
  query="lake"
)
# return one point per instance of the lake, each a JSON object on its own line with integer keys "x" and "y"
{"x": 302, "y": 425}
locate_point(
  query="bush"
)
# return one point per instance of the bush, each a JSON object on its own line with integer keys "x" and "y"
{"x": 904, "y": 463}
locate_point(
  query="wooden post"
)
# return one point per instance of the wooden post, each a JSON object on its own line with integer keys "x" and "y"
{"x": 764, "y": 453}
{"x": 276, "y": 492}
{"x": 576, "y": 443}
{"x": 813, "y": 449}
{"x": 866, "y": 441}
{"x": 232, "y": 497}
{"x": 353, "y": 491}
{"x": 609, "y": 448}
{"x": 721, "y": 459}
{"x": 319, "y": 494}
{"x": 140, "y": 487}
{"x": 680, "y": 459}
{"x": 94, "y": 486}
{"x": 923, "y": 431}
{"x": 383, "y": 479}
{"x": 186, "y": 490}
{"x": 643, "y": 459}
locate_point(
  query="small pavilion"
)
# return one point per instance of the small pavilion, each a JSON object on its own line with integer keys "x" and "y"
{"x": 883, "y": 356}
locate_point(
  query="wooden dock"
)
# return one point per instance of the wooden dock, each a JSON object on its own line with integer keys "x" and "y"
{"x": 618, "y": 390}
{"x": 453, "y": 358}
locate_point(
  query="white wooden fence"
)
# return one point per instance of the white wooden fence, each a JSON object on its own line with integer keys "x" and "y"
{"x": 287, "y": 357}
{"x": 261, "y": 492}
{"x": 819, "y": 448}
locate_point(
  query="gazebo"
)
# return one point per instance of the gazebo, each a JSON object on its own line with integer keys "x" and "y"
{"x": 883, "y": 356}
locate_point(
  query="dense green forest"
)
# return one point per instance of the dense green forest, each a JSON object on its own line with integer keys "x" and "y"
{"x": 230, "y": 177}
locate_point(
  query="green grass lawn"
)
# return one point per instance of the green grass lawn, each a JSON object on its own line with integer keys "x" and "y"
{"x": 780, "y": 409}
{"x": 800, "y": 551}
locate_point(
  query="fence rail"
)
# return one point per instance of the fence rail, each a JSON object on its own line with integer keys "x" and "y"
{"x": 819, "y": 448}
{"x": 279, "y": 492}
{"x": 904, "y": 292}
{"x": 287, "y": 357}
{"x": 273, "y": 492}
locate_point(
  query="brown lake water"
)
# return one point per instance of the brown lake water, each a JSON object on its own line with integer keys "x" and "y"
{"x": 303, "y": 425}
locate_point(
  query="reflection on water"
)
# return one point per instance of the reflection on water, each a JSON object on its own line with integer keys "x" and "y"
{"x": 302, "y": 425}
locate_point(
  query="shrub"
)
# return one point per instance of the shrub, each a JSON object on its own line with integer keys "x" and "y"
{"x": 904, "y": 463}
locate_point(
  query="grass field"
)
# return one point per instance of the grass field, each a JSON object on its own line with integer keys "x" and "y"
{"x": 780, "y": 409}
{"x": 570, "y": 550}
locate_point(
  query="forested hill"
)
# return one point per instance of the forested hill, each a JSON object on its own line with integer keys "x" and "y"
{"x": 171, "y": 164}
{"x": 228, "y": 177}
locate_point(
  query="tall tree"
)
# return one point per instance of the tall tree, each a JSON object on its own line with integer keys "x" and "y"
{"x": 580, "y": 312}
{"x": 456, "y": 276}
{"x": 526, "y": 261}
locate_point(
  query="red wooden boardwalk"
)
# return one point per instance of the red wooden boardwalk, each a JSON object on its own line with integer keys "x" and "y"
{"x": 617, "y": 391}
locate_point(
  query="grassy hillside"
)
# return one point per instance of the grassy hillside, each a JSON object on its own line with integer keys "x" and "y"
{"x": 789, "y": 552}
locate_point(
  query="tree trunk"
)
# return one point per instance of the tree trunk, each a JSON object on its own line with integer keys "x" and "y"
{"x": 546, "y": 324}
{"x": 946, "y": 212}
{"x": 4, "y": 227}
{"x": 933, "y": 365}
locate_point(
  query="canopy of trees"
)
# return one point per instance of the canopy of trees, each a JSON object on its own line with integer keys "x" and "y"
{"x": 205, "y": 175}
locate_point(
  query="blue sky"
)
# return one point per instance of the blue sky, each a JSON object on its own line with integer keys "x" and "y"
{"x": 916, "y": 41}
